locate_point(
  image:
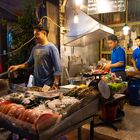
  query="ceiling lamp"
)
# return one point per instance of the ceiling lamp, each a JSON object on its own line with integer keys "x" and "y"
{"x": 126, "y": 28}
{"x": 76, "y": 19}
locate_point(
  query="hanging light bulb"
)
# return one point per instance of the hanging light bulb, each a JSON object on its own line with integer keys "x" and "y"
{"x": 126, "y": 29}
{"x": 76, "y": 19}
{"x": 78, "y": 2}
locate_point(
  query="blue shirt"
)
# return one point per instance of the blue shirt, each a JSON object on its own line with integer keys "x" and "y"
{"x": 46, "y": 63}
{"x": 118, "y": 55}
{"x": 136, "y": 57}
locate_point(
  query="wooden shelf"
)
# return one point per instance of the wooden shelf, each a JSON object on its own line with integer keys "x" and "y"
{"x": 106, "y": 52}
{"x": 109, "y": 52}
{"x": 122, "y": 24}
{"x": 129, "y": 52}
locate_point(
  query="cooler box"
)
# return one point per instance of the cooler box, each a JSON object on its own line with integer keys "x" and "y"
{"x": 134, "y": 92}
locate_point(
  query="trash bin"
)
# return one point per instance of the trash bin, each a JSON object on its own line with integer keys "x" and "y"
{"x": 109, "y": 112}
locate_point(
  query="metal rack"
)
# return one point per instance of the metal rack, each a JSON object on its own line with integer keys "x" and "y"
{"x": 74, "y": 121}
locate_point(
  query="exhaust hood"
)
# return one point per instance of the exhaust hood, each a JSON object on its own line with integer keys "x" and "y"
{"x": 86, "y": 32}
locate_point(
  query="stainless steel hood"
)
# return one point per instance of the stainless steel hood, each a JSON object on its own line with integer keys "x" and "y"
{"x": 86, "y": 32}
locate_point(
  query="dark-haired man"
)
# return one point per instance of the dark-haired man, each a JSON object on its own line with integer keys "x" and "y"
{"x": 136, "y": 55}
{"x": 118, "y": 58}
{"x": 45, "y": 58}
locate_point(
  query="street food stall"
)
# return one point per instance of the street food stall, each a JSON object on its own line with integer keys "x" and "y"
{"x": 34, "y": 113}
{"x": 39, "y": 113}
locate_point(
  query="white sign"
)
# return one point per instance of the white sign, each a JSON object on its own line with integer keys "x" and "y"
{"x": 105, "y": 6}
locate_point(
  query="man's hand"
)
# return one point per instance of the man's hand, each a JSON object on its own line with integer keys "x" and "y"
{"x": 115, "y": 65}
{"x": 136, "y": 69}
{"x": 55, "y": 86}
{"x": 134, "y": 64}
{"x": 108, "y": 66}
{"x": 16, "y": 67}
{"x": 13, "y": 68}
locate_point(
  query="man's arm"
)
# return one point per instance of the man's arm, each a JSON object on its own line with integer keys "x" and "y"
{"x": 115, "y": 65}
{"x": 134, "y": 63}
{"x": 57, "y": 65}
{"x": 25, "y": 65}
{"x": 118, "y": 64}
{"x": 16, "y": 67}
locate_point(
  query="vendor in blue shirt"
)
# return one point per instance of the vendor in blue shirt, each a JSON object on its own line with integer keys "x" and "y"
{"x": 136, "y": 55}
{"x": 45, "y": 59}
{"x": 118, "y": 58}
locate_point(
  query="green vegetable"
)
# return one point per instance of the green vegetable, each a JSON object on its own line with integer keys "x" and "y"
{"x": 116, "y": 86}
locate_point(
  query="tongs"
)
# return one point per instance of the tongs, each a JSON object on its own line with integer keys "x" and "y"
{"x": 4, "y": 73}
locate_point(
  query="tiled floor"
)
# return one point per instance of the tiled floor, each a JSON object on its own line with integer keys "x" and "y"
{"x": 128, "y": 129}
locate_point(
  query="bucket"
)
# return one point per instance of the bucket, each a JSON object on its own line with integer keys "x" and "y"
{"x": 109, "y": 112}
{"x": 134, "y": 92}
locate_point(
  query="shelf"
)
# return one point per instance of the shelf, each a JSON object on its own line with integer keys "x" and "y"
{"x": 109, "y": 52}
{"x": 129, "y": 52}
{"x": 122, "y": 24}
{"x": 106, "y": 52}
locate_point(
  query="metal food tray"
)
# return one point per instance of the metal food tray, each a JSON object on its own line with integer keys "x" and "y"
{"x": 17, "y": 88}
{"x": 93, "y": 74}
{"x": 49, "y": 94}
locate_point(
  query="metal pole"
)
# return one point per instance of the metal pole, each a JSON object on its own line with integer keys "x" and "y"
{"x": 92, "y": 130}
{"x": 80, "y": 133}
